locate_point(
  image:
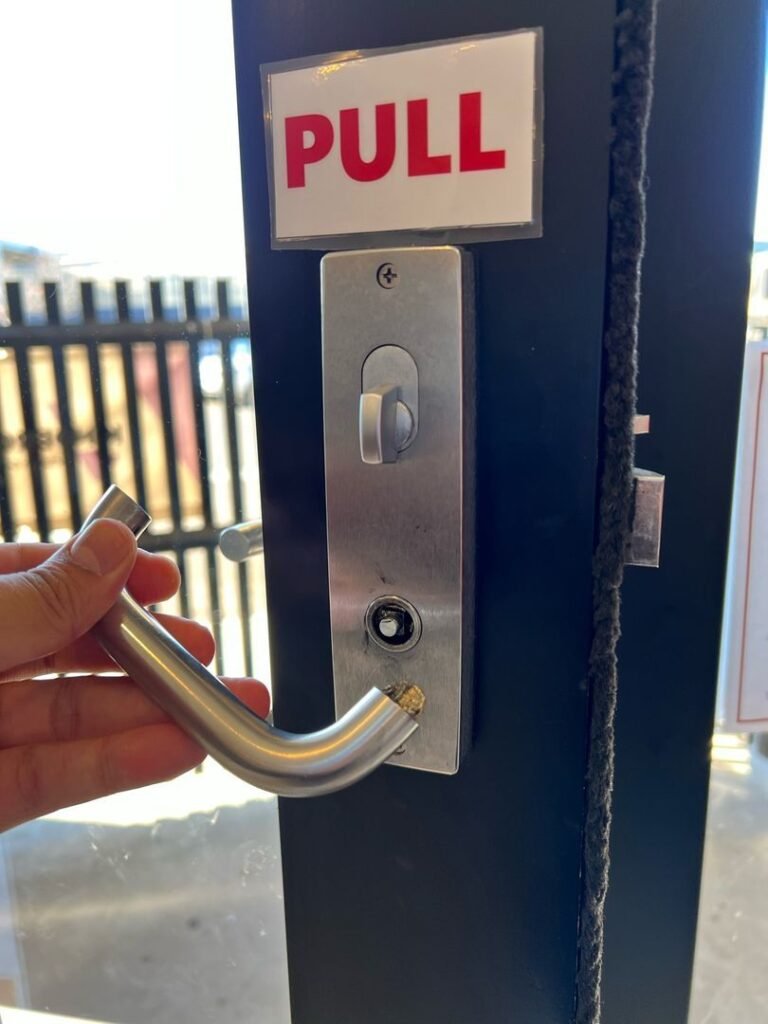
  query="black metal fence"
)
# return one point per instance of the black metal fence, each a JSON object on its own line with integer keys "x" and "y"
{"x": 161, "y": 406}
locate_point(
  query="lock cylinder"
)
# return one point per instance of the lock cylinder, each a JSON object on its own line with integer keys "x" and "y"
{"x": 393, "y": 623}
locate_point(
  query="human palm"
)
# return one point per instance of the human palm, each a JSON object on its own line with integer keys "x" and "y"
{"x": 84, "y": 735}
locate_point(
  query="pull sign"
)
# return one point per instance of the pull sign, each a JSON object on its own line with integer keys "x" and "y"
{"x": 440, "y": 138}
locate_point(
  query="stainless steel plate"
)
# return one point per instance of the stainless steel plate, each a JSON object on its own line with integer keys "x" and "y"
{"x": 403, "y": 529}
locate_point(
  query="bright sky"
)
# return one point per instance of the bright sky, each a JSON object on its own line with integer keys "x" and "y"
{"x": 761, "y": 212}
{"x": 119, "y": 134}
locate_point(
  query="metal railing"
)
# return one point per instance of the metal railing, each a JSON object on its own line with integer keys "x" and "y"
{"x": 163, "y": 407}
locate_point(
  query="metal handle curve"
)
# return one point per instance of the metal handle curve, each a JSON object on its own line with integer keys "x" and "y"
{"x": 280, "y": 762}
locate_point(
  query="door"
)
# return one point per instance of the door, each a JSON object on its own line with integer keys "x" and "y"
{"x": 417, "y": 897}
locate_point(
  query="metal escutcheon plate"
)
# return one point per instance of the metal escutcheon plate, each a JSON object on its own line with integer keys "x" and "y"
{"x": 402, "y": 530}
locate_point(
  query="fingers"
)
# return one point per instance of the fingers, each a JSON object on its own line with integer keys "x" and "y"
{"x": 251, "y": 692}
{"x": 85, "y": 655}
{"x": 47, "y": 607}
{"x": 83, "y": 708}
{"x": 41, "y": 778}
{"x": 154, "y": 578}
{"x": 16, "y": 557}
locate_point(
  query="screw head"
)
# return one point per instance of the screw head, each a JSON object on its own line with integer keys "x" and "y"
{"x": 386, "y": 276}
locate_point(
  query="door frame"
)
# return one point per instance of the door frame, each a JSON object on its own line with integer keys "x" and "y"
{"x": 703, "y": 152}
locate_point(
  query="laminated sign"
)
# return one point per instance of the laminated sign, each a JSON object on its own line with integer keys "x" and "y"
{"x": 441, "y": 139}
{"x": 744, "y": 657}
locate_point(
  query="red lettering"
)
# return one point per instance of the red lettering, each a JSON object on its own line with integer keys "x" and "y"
{"x": 419, "y": 159}
{"x": 472, "y": 156}
{"x": 297, "y": 154}
{"x": 309, "y": 138}
{"x": 349, "y": 141}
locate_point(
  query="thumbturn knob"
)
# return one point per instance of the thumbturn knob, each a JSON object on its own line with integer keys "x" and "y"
{"x": 386, "y": 425}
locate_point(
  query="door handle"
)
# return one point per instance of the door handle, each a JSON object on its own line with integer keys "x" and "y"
{"x": 284, "y": 763}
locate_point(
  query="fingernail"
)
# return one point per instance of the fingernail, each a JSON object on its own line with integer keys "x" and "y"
{"x": 104, "y": 546}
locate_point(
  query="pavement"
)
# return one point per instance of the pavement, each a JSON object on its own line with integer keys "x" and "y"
{"x": 730, "y": 981}
{"x": 180, "y": 919}
{"x": 165, "y": 905}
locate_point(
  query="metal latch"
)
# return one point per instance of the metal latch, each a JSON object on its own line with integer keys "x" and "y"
{"x": 645, "y": 541}
{"x": 644, "y": 545}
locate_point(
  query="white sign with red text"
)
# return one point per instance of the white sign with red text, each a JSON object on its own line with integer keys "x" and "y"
{"x": 441, "y": 136}
{"x": 744, "y": 647}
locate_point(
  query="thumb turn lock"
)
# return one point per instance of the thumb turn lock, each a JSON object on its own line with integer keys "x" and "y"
{"x": 386, "y": 425}
{"x": 389, "y": 404}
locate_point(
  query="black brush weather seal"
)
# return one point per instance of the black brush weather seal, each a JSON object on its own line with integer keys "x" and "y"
{"x": 632, "y": 90}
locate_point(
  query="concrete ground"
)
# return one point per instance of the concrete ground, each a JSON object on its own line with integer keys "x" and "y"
{"x": 176, "y": 920}
{"x": 730, "y": 983}
{"x": 165, "y": 905}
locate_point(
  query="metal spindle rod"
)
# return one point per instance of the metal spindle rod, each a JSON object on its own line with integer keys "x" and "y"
{"x": 279, "y": 762}
{"x": 241, "y": 541}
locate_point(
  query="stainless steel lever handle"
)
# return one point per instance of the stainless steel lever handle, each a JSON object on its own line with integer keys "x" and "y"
{"x": 279, "y": 762}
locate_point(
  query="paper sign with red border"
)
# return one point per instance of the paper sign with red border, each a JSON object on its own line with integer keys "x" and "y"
{"x": 744, "y": 650}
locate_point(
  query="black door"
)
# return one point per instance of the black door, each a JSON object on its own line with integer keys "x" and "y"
{"x": 415, "y": 897}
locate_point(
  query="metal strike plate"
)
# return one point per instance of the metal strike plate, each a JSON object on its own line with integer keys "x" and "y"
{"x": 400, "y": 541}
{"x": 644, "y": 546}
{"x": 641, "y": 424}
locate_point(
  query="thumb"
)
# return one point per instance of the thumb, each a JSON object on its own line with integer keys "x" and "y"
{"x": 46, "y": 608}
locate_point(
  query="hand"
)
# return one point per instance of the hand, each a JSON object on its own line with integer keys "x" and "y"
{"x": 64, "y": 741}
